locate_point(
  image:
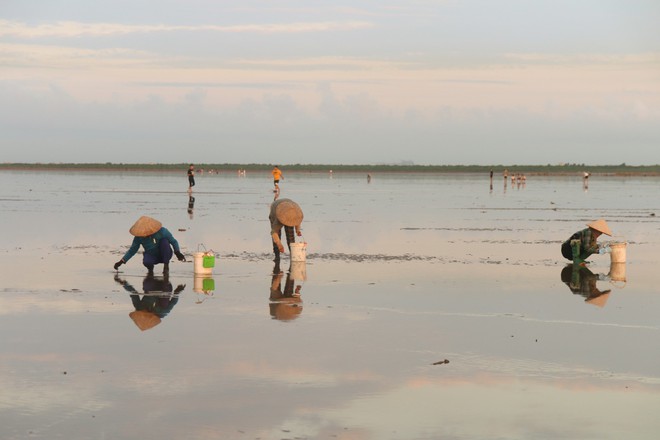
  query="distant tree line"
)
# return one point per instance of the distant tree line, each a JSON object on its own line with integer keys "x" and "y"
{"x": 567, "y": 168}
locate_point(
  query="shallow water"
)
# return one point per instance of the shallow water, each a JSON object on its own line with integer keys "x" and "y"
{"x": 402, "y": 273}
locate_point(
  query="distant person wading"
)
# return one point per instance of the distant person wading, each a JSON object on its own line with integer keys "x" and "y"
{"x": 277, "y": 176}
{"x": 191, "y": 177}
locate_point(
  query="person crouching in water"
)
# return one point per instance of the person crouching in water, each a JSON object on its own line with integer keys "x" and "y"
{"x": 284, "y": 213}
{"x": 583, "y": 243}
{"x": 157, "y": 242}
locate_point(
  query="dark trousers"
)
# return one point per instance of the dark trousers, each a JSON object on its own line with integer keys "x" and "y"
{"x": 164, "y": 255}
{"x": 290, "y": 238}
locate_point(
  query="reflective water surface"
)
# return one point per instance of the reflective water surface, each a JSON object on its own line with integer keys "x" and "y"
{"x": 429, "y": 307}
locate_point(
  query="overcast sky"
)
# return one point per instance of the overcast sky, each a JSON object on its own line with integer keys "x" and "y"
{"x": 381, "y": 81}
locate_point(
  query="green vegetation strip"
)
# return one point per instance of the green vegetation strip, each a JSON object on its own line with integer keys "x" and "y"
{"x": 621, "y": 169}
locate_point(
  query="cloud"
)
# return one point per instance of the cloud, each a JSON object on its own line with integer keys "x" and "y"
{"x": 582, "y": 59}
{"x": 34, "y": 55}
{"x": 72, "y": 29}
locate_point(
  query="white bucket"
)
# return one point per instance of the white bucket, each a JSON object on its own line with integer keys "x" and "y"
{"x": 198, "y": 260}
{"x": 299, "y": 251}
{"x": 618, "y": 252}
{"x": 298, "y": 271}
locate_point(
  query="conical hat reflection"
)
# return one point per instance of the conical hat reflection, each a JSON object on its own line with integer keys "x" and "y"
{"x": 600, "y": 300}
{"x": 144, "y": 320}
{"x": 285, "y": 311}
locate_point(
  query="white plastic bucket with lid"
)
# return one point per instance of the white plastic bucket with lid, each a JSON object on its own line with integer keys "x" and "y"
{"x": 299, "y": 251}
{"x": 203, "y": 262}
{"x": 618, "y": 252}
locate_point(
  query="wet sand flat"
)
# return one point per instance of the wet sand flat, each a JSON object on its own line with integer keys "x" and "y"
{"x": 432, "y": 307}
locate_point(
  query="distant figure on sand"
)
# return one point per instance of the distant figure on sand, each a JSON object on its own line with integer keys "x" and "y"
{"x": 191, "y": 177}
{"x": 585, "y": 179}
{"x": 277, "y": 176}
{"x": 583, "y": 243}
{"x": 284, "y": 213}
{"x": 368, "y": 178}
{"x": 157, "y": 242}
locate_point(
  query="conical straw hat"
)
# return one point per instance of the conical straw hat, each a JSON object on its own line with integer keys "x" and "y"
{"x": 601, "y": 226}
{"x": 288, "y": 213}
{"x": 145, "y": 226}
{"x": 144, "y": 320}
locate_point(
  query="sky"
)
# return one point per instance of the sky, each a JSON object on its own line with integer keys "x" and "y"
{"x": 429, "y": 82}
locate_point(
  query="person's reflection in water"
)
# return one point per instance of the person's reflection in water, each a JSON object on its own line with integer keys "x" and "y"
{"x": 582, "y": 281}
{"x": 191, "y": 206}
{"x": 154, "y": 303}
{"x": 285, "y": 305}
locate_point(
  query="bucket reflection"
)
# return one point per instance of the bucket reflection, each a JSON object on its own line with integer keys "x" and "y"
{"x": 285, "y": 302}
{"x": 204, "y": 286}
{"x": 298, "y": 271}
{"x": 618, "y": 272}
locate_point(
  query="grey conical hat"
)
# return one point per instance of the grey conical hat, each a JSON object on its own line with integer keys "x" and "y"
{"x": 289, "y": 213}
{"x": 600, "y": 225}
{"x": 145, "y": 226}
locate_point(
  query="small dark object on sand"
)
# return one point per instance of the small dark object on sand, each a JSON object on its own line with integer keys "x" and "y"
{"x": 446, "y": 361}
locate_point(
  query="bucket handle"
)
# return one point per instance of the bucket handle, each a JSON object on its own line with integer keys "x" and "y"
{"x": 206, "y": 252}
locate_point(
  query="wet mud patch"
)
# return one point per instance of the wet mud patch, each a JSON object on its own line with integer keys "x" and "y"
{"x": 465, "y": 229}
{"x": 386, "y": 258}
{"x": 508, "y": 242}
{"x": 372, "y": 257}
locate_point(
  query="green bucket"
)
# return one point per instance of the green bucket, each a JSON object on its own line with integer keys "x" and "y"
{"x": 208, "y": 261}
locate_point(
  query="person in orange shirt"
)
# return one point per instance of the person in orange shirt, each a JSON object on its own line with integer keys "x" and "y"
{"x": 277, "y": 175}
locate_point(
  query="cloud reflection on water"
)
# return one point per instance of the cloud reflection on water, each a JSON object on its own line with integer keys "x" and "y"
{"x": 401, "y": 273}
